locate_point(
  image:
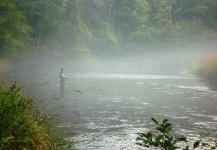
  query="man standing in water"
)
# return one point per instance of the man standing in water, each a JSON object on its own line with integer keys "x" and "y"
{"x": 62, "y": 82}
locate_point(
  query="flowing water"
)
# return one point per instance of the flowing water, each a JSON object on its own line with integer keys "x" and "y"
{"x": 104, "y": 111}
{"x": 113, "y": 107}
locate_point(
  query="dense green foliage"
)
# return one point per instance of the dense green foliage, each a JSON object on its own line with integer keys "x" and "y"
{"x": 24, "y": 126}
{"x": 101, "y": 27}
{"x": 166, "y": 139}
{"x": 13, "y": 28}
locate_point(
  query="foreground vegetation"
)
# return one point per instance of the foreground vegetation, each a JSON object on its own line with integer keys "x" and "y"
{"x": 165, "y": 139}
{"x": 24, "y": 126}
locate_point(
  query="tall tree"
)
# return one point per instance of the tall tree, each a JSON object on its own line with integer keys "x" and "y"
{"x": 75, "y": 30}
{"x": 209, "y": 14}
{"x": 104, "y": 40}
{"x": 44, "y": 17}
{"x": 13, "y": 28}
{"x": 131, "y": 21}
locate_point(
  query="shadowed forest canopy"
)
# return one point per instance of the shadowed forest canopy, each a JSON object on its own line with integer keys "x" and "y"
{"x": 86, "y": 28}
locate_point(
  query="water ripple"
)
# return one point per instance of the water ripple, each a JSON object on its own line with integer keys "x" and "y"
{"x": 128, "y": 76}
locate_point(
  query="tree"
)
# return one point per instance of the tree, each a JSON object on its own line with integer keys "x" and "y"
{"x": 209, "y": 14}
{"x": 75, "y": 31}
{"x": 130, "y": 21}
{"x": 161, "y": 24}
{"x": 13, "y": 28}
{"x": 44, "y": 17}
{"x": 99, "y": 35}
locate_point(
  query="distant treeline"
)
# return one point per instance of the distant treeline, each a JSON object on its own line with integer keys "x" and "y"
{"x": 52, "y": 28}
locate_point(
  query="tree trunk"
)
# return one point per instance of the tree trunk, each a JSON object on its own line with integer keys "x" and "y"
{"x": 39, "y": 39}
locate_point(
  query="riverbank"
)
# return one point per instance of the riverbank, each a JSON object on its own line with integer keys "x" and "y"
{"x": 206, "y": 70}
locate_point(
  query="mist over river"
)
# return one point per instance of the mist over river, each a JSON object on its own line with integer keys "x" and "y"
{"x": 113, "y": 107}
{"x": 105, "y": 108}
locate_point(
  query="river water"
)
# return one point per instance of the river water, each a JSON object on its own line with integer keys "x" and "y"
{"x": 104, "y": 110}
{"x": 109, "y": 109}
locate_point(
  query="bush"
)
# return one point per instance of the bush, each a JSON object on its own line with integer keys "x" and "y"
{"x": 210, "y": 63}
{"x": 208, "y": 70}
{"x": 23, "y": 126}
{"x": 166, "y": 139}
{"x": 193, "y": 69}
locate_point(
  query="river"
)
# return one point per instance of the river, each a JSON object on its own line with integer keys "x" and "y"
{"x": 113, "y": 107}
{"x": 104, "y": 108}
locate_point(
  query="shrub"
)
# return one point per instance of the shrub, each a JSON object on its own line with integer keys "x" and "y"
{"x": 209, "y": 63}
{"x": 23, "y": 126}
{"x": 208, "y": 70}
{"x": 194, "y": 69}
{"x": 166, "y": 139}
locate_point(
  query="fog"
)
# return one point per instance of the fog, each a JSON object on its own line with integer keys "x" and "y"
{"x": 108, "y": 100}
{"x": 171, "y": 61}
{"x": 41, "y": 74}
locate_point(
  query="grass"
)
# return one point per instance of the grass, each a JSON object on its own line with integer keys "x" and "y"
{"x": 194, "y": 69}
{"x": 23, "y": 126}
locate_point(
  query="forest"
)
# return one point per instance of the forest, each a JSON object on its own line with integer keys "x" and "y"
{"x": 83, "y": 29}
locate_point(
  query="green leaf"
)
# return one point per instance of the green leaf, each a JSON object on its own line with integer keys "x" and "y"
{"x": 160, "y": 129}
{"x": 7, "y": 139}
{"x": 167, "y": 125}
{"x": 196, "y": 144}
{"x": 165, "y": 121}
{"x": 158, "y": 138}
{"x": 145, "y": 142}
{"x": 145, "y": 135}
{"x": 167, "y": 143}
{"x": 139, "y": 144}
{"x": 182, "y": 138}
{"x": 142, "y": 134}
{"x": 153, "y": 119}
{"x": 139, "y": 138}
{"x": 147, "y": 146}
{"x": 168, "y": 129}
{"x": 149, "y": 135}
{"x": 186, "y": 148}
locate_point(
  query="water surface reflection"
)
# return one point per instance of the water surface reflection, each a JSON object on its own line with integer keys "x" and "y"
{"x": 116, "y": 106}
